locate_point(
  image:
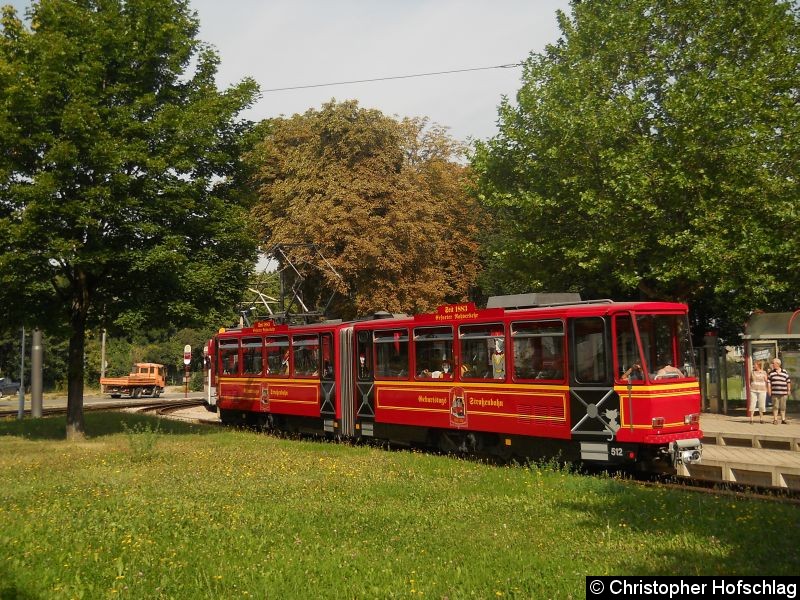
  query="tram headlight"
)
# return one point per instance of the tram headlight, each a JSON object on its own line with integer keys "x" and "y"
{"x": 690, "y": 456}
{"x": 658, "y": 422}
{"x": 692, "y": 419}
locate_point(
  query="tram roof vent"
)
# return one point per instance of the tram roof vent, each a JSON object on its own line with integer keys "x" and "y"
{"x": 533, "y": 300}
{"x": 317, "y": 323}
{"x": 382, "y": 314}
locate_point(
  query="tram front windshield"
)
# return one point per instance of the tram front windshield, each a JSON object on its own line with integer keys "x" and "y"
{"x": 666, "y": 347}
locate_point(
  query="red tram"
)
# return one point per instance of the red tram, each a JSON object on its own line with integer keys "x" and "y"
{"x": 597, "y": 381}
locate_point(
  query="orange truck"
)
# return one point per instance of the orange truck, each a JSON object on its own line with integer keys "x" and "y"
{"x": 146, "y": 379}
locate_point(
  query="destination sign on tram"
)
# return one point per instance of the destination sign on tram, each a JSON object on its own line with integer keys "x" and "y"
{"x": 460, "y": 312}
{"x": 268, "y": 327}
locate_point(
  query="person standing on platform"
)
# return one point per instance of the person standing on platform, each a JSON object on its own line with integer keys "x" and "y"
{"x": 779, "y": 386}
{"x": 758, "y": 391}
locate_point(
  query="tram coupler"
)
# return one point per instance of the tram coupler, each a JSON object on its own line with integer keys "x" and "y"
{"x": 686, "y": 452}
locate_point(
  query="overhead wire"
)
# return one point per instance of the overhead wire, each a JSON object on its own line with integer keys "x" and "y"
{"x": 317, "y": 85}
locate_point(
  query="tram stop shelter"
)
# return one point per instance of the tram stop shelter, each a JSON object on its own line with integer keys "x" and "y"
{"x": 767, "y": 335}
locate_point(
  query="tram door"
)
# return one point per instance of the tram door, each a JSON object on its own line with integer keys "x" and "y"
{"x": 594, "y": 405}
{"x": 327, "y": 406}
{"x": 365, "y": 382}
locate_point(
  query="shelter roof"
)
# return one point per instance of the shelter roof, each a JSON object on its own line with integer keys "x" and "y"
{"x": 773, "y": 326}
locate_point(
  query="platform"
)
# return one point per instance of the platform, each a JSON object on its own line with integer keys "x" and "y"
{"x": 755, "y": 454}
{"x": 735, "y": 430}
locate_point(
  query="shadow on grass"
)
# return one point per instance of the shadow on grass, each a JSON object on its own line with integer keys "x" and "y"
{"x": 97, "y": 424}
{"x": 9, "y": 591}
{"x": 702, "y": 533}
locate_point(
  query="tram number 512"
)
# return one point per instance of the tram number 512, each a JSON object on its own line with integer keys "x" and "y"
{"x": 616, "y": 452}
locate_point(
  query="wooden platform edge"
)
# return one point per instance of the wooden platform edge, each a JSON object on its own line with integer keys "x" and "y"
{"x": 749, "y": 474}
{"x": 756, "y": 440}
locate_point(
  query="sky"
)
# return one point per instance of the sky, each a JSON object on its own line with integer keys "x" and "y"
{"x": 285, "y": 43}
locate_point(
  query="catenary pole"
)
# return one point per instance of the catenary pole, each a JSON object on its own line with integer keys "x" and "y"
{"x": 21, "y": 412}
{"x": 37, "y": 355}
{"x": 103, "y": 354}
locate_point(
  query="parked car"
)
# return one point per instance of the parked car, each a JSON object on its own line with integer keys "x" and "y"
{"x": 8, "y": 387}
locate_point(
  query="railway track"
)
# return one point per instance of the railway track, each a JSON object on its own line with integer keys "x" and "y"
{"x": 171, "y": 410}
{"x": 46, "y": 412}
{"x": 160, "y": 408}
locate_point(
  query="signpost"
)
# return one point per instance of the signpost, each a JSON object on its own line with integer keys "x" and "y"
{"x": 187, "y": 359}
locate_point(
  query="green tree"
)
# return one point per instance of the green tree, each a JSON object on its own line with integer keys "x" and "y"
{"x": 118, "y": 172}
{"x": 652, "y": 152}
{"x": 385, "y": 201}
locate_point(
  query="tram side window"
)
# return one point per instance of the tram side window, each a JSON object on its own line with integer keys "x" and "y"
{"x": 479, "y": 344}
{"x": 391, "y": 354}
{"x": 306, "y": 355}
{"x": 433, "y": 351}
{"x": 229, "y": 357}
{"x": 252, "y": 358}
{"x": 538, "y": 350}
{"x": 591, "y": 360}
{"x": 278, "y": 355}
{"x": 629, "y": 363}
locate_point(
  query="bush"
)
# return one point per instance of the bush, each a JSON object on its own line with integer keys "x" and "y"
{"x": 142, "y": 438}
{"x": 196, "y": 382}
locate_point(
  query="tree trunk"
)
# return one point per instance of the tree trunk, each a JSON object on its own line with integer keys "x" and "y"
{"x": 77, "y": 341}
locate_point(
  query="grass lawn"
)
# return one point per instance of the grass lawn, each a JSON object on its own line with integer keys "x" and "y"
{"x": 195, "y": 512}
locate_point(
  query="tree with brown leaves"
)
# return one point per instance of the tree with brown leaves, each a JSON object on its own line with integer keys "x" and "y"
{"x": 385, "y": 201}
